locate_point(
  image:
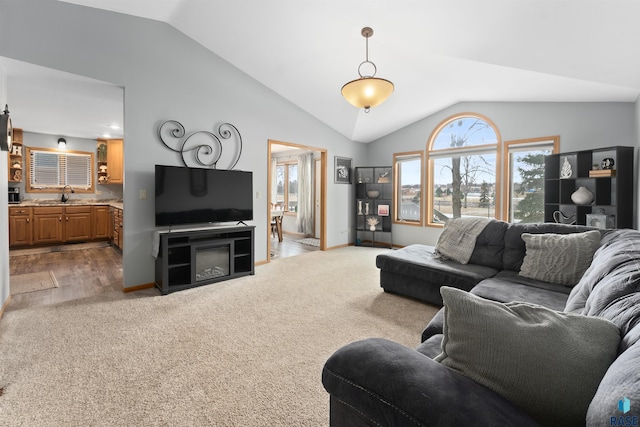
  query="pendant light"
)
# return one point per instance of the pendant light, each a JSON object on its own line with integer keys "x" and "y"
{"x": 367, "y": 91}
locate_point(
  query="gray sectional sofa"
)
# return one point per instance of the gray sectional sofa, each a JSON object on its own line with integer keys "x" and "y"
{"x": 377, "y": 382}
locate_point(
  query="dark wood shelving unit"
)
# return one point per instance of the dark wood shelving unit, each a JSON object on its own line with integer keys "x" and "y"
{"x": 227, "y": 250}
{"x": 612, "y": 189}
{"x": 368, "y": 205}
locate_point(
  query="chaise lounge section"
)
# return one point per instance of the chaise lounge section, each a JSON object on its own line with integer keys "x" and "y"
{"x": 415, "y": 272}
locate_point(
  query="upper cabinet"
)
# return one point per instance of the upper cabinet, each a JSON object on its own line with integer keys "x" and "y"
{"x": 591, "y": 187}
{"x": 110, "y": 161}
{"x": 15, "y": 157}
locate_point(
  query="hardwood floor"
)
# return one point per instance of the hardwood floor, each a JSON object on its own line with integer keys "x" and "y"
{"x": 81, "y": 270}
{"x": 86, "y": 269}
{"x": 289, "y": 247}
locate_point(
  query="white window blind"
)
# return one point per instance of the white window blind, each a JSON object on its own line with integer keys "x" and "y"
{"x": 50, "y": 169}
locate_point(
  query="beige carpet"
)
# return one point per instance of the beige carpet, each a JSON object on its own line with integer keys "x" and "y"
{"x": 32, "y": 282}
{"x": 245, "y": 352}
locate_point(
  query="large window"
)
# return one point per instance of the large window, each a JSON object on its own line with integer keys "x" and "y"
{"x": 287, "y": 186}
{"x": 408, "y": 187}
{"x": 51, "y": 169}
{"x": 525, "y": 182}
{"x": 463, "y": 169}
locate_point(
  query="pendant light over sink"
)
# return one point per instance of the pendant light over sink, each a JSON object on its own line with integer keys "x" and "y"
{"x": 369, "y": 90}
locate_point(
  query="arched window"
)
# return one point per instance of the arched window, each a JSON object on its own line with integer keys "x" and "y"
{"x": 462, "y": 173}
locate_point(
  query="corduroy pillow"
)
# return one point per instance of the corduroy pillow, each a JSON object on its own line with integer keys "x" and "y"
{"x": 558, "y": 258}
{"x": 547, "y": 363}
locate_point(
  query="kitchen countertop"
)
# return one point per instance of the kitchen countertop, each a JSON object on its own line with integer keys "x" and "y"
{"x": 73, "y": 202}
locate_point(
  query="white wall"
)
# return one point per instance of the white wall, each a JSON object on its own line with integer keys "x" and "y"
{"x": 4, "y": 208}
{"x": 581, "y": 126}
{"x": 166, "y": 75}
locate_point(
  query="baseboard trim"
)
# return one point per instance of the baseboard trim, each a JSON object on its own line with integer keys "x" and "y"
{"x": 346, "y": 245}
{"x": 5, "y": 305}
{"x": 138, "y": 288}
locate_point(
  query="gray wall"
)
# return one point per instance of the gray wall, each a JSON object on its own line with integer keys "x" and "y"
{"x": 166, "y": 75}
{"x": 4, "y": 209}
{"x": 581, "y": 126}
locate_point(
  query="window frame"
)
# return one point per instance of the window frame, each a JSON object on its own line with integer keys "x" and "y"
{"x": 55, "y": 188}
{"x": 431, "y": 154}
{"x": 532, "y": 143}
{"x": 285, "y": 202}
{"x": 397, "y": 159}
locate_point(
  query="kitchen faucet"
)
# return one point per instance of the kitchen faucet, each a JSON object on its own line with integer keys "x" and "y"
{"x": 64, "y": 197}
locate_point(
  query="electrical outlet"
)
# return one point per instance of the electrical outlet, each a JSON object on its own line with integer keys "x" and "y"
{"x": 143, "y": 194}
{"x": 258, "y": 195}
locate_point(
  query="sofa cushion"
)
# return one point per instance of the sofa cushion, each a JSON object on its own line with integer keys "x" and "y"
{"x": 546, "y": 362}
{"x": 432, "y": 346}
{"x": 558, "y": 258}
{"x": 415, "y": 272}
{"x": 490, "y": 245}
{"x": 514, "y": 247}
{"x": 503, "y": 288}
{"x": 610, "y": 288}
{"x": 621, "y": 382}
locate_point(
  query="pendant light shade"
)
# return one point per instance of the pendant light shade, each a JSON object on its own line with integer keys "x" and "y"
{"x": 367, "y": 91}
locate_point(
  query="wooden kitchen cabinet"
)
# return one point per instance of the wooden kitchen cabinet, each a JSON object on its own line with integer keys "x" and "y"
{"x": 77, "y": 224}
{"x": 115, "y": 164}
{"x": 101, "y": 227}
{"x": 117, "y": 231}
{"x": 20, "y": 226}
{"x": 47, "y": 225}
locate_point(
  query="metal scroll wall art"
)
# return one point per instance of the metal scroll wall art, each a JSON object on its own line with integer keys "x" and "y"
{"x": 202, "y": 148}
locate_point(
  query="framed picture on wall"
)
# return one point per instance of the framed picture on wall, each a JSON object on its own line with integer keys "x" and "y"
{"x": 342, "y": 170}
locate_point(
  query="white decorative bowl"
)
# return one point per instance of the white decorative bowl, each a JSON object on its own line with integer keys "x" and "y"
{"x": 373, "y": 194}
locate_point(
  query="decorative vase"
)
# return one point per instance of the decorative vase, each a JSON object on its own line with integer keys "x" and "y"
{"x": 566, "y": 170}
{"x": 582, "y": 196}
{"x": 359, "y": 207}
{"x": 366, "y": 208}
{"x": 372, "y": 227}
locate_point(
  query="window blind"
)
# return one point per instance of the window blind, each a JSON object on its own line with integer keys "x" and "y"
{"x": 56, "y": 170}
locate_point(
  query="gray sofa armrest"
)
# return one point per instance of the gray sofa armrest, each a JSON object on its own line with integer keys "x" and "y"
{"x": 384, "y": 383}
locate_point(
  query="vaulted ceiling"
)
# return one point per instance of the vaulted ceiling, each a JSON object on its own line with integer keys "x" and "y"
{"x": 436, "y": 52}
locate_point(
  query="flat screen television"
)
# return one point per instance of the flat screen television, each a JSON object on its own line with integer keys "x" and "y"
{"x": 193, "y": 195}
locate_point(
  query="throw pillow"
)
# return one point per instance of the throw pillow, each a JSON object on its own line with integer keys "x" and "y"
{"x": 558, "y": 258}
{"x": 546, "y": 362}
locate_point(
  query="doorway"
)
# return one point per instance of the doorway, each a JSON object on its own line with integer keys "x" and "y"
{"x": 286, "y": 241}
{"x": 90, "y": 109}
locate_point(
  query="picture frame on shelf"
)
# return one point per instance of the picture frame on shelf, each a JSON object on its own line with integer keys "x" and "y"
{"x": 383, "y": 210}
{"x": 596, "y": 220}
{"x": 342, "y": 173}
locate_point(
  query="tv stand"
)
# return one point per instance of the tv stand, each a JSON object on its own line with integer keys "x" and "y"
{"x": 191, "y": 258}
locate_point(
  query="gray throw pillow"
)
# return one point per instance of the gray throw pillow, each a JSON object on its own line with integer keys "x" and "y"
{"x": 546, "y": 362}
{"x": 558, "y": 258}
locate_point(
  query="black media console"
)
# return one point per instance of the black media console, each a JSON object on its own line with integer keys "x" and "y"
{"x": 197, "y": 257}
